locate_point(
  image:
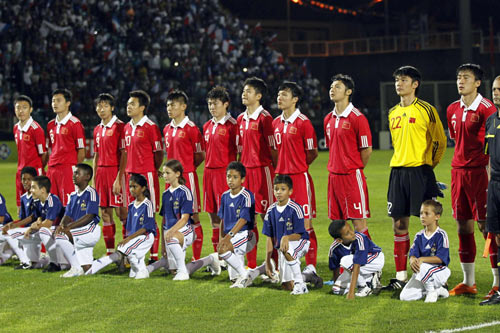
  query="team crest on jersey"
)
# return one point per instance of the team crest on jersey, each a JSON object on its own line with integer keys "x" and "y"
{"x": 83, "y": 205}
{"x": 346, "y": 125}
{"x": 109, "y": 133}
{"x": 474, "y": 118}
{"x": 293, "y": 130}
{"x": 141, "y": 219}
{"x": 289, "y": 225}
{"x": 433, "y": 250}
{"x": 64, "y": 130}
{"x": 254, "y": 126}
{"x": 221, "y": 131}
{"x": 238, "y": 213}
{"x": 182, "y": 134}
{"x": 176, "y": 204}
{"x": 26, "y": 137}
{"x": 140, "y": 133}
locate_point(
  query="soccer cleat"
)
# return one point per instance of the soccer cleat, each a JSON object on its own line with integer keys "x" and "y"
{"x": 315, "y": 279}
{"x": 152, "y": 261}
{"x": 73, "y": 272}
{"x": 132, "y": 274}
{"x": 25, "y": 265}
{"x": 463, "y": 289}
{"x": 142, "y": 274}
{"x": 491, "y": 293}
{"x": 394, "y": 284}
{"x": 299, "y": 288}
{"x": 338, "y": 290}
{"x": 363, "y": 292}
{"x": 376, "y": 280}
{"x": 180, "y": 276}
{"x": 494, "y": 299}
{"x": 215, "y": 265}
{"x": 52, "y": 268}
{"x": 241, "y": 282}
{"x": 443, "y": 292}
{"x": 432, "y": 296}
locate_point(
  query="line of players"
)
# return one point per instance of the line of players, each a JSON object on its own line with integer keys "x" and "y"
{"x": 289, "y": 144}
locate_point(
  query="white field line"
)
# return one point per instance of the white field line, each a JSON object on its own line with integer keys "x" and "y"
{"x": 468, "y": 328}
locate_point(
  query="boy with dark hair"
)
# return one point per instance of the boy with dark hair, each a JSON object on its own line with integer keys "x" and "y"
{"x": 67, "y": 143}
{"x": 469, "y": 179}
{"x": 257, "y": 150}
{"x": 220, "y": 135}
{"x": 144, "y": 151}
{"x": 30, "y": 142}
{"x": 419, "y": 143}
{"x": 349, "y": 140}
{"x": 361, "y": 259}
{"x": 297, "y": 147}
{"x": 183, "y": 142}
{"x": 79, "y": 230}
{"x": 110, "y": 160}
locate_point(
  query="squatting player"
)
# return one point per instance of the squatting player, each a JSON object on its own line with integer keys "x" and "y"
{"x": 419, "y": 143}
{"x": 349, "y": 140}
{"x": 469, "y": 178}
{"x": 257, "y": 151}
{"x": 144, "y": 151}
{"x": 295, "y": 140}
{"x": 67, "y": 142}
{"x": 183, "y": 142}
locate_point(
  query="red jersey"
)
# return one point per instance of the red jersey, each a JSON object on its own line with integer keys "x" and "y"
{"x": 109, "y": 139}
{"x": 30, "y": 141}
{"x": 141, "y": 142}
{"x": 346, "y": 135}
{"x": 220, "y": 142}
{"x": 293, "y": 137}
{"x": 182, "y": 142}
{"x": 65, "y": 138}
{"x": 256, "y": 138}
{"x": 467, "y": 127}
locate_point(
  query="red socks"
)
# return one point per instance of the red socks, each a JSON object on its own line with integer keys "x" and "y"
{"x": 366, "y": 233}
{"x": 156, "y": 244}
{"x": 252, "y": 255}
{"x": 467, "y": 248}
{"x": 198, "y": 243}
{"x": 108, "y": 233}
{"x": 493, "y": 251}
{"x": 401, "y": 248}
{"x": 215, "y": 238}
{"x": 312, "y": 254}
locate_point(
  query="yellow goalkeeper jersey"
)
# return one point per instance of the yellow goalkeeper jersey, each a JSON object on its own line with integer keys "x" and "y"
{"x": 417, "y": 135}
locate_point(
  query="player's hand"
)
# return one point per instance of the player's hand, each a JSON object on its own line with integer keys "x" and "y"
{"x": 269, "y": 272}
{"x": 117, "y": 188}
{"x": 224, "y": 244}
{"x": 169, "y": 235}
{"x": 6, "y": 228}
{"x": 123, "y": 242}
{"x": 415, "y": 265}
{"x": 27, "y": 233}
{"x": 284, "y": 244}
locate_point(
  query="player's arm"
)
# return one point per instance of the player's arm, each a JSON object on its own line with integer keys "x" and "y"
{"x": 117, "y": 186}
{"x": 354, "y": 280}
{"x": 365, "y": 155}
{"x": 82, "y": 221}
{"x": 158, "y": 159}
{"x": 310, "y": 142}
{"x": 95, "y": 160}
{"x": 198, "y": 158}
{"x": 438, "y": 138}
{"x": 16, "y": 224}
{"x": 45, "y": 159}
{"x": 311, "y": 155}
{"x": 139, "y": 232}
{"x": 177, "y": 226}
{"x": 80, "y": 155}
{"x": 226, "y": 240}
{"x": 364, "y": 137}
{"x": 269, "y": 255}
{"x": 285, "y": 240}
{"x": 163, "y": 244}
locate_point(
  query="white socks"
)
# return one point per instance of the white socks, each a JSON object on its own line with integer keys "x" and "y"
{"x": 69, "y": 251}
{"x": 178, "y": 254}
{"x": 495, "y": 277}
{"x": 402, "y": 275}
{"x": 235, "y": 262}
{"x": 469, "y": 276}
{"x": 295, "y": 267}
{"x": 99, "y": 264}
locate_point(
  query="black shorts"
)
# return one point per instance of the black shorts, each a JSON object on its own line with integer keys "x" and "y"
{"x": 408, "y": 188}
{"x": 493, "y": 207}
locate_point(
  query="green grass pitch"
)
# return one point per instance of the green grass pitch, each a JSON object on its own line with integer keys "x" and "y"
{"x": 33, "y": 301}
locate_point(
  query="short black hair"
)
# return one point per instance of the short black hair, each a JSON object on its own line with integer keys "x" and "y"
{"x": 143, "y": 98}
{"x": 410, "y": 71}
{"x": 177, "y": 95}
{"x": 43, "y": 182}
{"x": 24, "y": 98}
{"x": 437, "y": 207}
{"x": 237, "y": 166}
{"x": 29, "y": 170}
{"x": 347, "y": 81}
{"x": 105, "y": 97}
{"x": 68, "y": 96}
{"x": 283, "y": 179}
{"x": 474, "y": 68}
{"x": 294, "y": 88}
{"x": 258, "y": 84}
{"x": 220, "y": 93}
{"x": 87, "y": 168}
{"x": 335, "y": 228}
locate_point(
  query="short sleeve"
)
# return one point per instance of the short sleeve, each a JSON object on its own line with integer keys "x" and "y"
{"x": 364, "y": 135}
{"x": 40, "y": 141}
{"x": 79, "y": 135}
{"x": 310, "y": 140}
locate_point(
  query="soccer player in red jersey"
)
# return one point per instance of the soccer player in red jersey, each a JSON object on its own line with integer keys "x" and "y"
{"x": 67, "y": 142}
{"x": 144, "y": 151}
{"x": 297, "y": 146}
{"x": 469, "y": 178}
{"x": 110, "y": 159}
{"x": 257, "y": 151}
{"x": 349, "y": 139}
{"x": 30, "y": 142}
{"x": 183, "y": 142}
{"x": 220, "y": 135}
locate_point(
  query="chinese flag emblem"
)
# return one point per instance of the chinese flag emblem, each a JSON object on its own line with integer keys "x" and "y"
{"x": 412, "y": 120}
{"x": 293, "y": 130}
{"x": 64, "y": 130}
{"x": 254, "y": 126}
{"x": 346, "y": 125}
{"x": 140, "y": 133}
{"x": 182, "y": 134}
{"x": 222, "y": 131}
{"x": 26, "y": 137}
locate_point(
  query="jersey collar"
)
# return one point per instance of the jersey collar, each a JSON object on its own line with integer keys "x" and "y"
{"x": 254, "y": 115}
{"x": 111, "y": 122}
{"x": 474, "y": 105}
{"x": 223, "y": 120}
{"x": 181, "y": 124}
{"x": 235, "y": 195}
{"x": 137, "y": 205}
{"x": 65, "y": 119}
{"x": 78, "y": 193}
{"x": 292, "y": 118}
{"x": 140, "y": 122}
{"x": 345, "y": 113}
{"x": 26, "y": 126}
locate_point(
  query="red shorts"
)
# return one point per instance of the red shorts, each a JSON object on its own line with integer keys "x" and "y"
{"x": 303, "y": 193}
{"x": 260, "y": 182}
{"x": 61, "y": 179}
{"x": 469, "y": 193}
{"x": 104, "y": 179}
{"x": 153, "y": 186}
{"x": 348, "y": 196}
{"x": 19, "y": 185}
{"x": 194, "y": 185}
{"x": 214, "y": 184}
